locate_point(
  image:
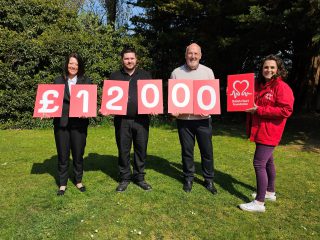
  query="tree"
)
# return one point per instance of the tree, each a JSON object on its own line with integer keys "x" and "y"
{"x": 235, "y": 35}
{"x": 115, "y": 13}
{"x": 164, "y": 27}
{"x": 111, "y": 7}
{"x": 23, "y": 56}
{"x": 35, "y": 38}
{"x": 288, "y": 28}
{"x": 303, "y": 21}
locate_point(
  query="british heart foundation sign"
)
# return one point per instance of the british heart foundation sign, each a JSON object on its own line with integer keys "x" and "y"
{"x": 240, "y": 92}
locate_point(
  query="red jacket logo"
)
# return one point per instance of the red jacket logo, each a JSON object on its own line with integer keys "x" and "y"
{"x": 269, "y": 96}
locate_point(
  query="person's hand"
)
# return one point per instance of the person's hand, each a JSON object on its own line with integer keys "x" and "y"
{"x": 44, "y": 115}
{"x": 104, "y": 114}
{"x": 175, "y": 114}
{"x": 252, "y": 110}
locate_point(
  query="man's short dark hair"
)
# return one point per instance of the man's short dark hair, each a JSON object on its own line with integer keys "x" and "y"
{"x": 128, "y": 50}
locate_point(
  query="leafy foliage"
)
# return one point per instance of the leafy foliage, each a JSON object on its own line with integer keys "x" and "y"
{"x": 235, "y": 35}
{"x": 35, "y": 37}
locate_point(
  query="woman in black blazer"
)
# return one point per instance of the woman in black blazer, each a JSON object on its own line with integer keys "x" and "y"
{"x": 70, "y": 133}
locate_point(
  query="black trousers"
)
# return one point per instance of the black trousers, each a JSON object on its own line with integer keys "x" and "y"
{"x": 74, "y": 139}
{"x": 131, "y": 131}
{"x": 189, "y": 131}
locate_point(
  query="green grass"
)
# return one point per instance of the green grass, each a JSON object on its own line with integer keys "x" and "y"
{"x": 30, "y": 209}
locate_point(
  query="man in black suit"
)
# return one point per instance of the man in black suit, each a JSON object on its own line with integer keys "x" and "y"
{"x": 70, "y": 133}
{"x": 131, "y": 128}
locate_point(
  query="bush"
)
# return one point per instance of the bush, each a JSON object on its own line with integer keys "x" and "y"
{"x": 35, "y": 37}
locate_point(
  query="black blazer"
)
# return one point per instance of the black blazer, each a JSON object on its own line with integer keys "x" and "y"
{"x": 64, "y": 120}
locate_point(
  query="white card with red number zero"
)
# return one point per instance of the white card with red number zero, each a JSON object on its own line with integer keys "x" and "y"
{"x": 150, "y": 98}
{"x": 180, "y": 96}
{"x": 194, "y": 96}
{"x": 206, "y": 97}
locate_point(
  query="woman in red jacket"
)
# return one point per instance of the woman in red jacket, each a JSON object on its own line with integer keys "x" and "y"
{"x": 273, "y": 105}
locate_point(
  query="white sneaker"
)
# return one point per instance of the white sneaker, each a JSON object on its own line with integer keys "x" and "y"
{"x": 270, "y": 197}
{"x": 252, "y": 207}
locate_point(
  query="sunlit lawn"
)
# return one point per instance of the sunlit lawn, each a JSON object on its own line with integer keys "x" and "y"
{"x": 30, "y": 209}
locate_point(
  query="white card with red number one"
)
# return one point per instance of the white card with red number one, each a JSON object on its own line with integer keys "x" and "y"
{"x": 150, "y": 98}
{"x": 114, "y": 97}
{"x": 240, "y": 92}
{"x": 83, "y": 100}
{"x": 206, "y": 97}
{"x": 49, "y": 101}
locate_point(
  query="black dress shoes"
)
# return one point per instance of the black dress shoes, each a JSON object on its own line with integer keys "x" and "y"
{"x": 210, "y": 186}
{"x": 122, "y": 186}
{"x": 82, "y": 189}
{"x": 187, "y": 186}
{"x": 144, "y": 185}
{"x": 61, "y": 192}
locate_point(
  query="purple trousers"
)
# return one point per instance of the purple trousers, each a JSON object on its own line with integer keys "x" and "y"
{"x": 265, "y": 170}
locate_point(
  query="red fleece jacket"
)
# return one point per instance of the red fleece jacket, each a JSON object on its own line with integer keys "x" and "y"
{"x": 275, "y": 104}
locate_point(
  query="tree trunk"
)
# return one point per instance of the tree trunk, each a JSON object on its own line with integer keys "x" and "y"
{"x": 111, "y": 6}
{"x": 305, "y": 81}
{"x": 315, "y": 68}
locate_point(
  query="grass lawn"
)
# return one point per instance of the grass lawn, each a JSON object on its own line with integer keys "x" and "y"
{"x": 30, "y": 209}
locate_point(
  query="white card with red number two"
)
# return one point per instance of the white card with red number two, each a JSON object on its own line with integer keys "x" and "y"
{"x": 114, "y": 97}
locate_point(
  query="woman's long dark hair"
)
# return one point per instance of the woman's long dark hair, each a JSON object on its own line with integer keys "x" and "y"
{"x": 80, "y": 65}
{"x": 282, "y": 72}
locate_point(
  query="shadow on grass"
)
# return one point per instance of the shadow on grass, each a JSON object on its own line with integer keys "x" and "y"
{"x": 174, "y": 170}
{"x": 227, "y": 182}
{"x": 48, "y": 166}
{"x": 229, "y": 129}
{"x": 301, "y": 130}
{"x": 108, "y": 164}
